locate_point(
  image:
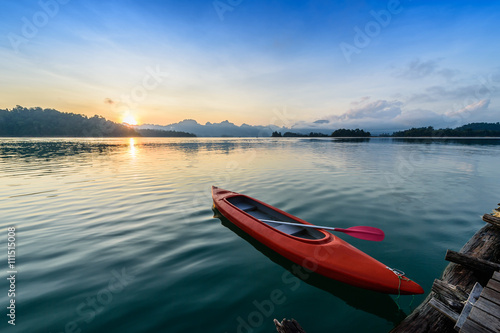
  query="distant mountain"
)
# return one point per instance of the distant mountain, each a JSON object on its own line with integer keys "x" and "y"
{"x": 228, "y": 129}
{"x": 222, "y": 129}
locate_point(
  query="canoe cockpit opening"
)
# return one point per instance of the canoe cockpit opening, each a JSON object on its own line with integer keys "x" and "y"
{"x": 262, "y": 212}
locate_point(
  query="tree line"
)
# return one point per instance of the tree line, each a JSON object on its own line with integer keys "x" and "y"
{"x": 344, "y": 133}
{"x": 163, "y": 133}
{"x": 38, "y": 122}
{"x": 469, "y": 130}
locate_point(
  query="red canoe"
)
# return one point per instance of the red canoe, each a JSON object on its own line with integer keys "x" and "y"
{"x": 314, "y": 249}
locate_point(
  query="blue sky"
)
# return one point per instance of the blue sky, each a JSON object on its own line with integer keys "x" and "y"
{"x": 372, "y": 64}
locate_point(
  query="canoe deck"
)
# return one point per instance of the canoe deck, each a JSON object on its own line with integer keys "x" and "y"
{"x": 261, "y": 212}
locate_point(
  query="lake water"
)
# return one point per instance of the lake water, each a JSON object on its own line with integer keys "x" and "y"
{"x": 118, "y": 235}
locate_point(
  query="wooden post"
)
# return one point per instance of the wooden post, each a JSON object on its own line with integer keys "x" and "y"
{"x": 444, "y": 309}
{"x": 491, "y": 220}
{"x": 288, "y": 326}
{"x": 474, "y": 263}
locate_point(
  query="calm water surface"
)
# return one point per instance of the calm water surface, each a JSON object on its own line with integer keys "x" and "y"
{"x": 118, "y": 235}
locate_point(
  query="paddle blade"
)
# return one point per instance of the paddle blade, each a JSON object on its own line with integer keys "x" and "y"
{"x": 366, "y": 233}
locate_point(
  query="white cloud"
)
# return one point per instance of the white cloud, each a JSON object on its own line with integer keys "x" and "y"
{"x": 476, "y": 107}
{"x": 383, "y": 115}
{"x": 380, "y": 110}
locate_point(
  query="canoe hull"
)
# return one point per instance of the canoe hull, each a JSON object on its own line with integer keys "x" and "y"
{"x": 329, "y": 256}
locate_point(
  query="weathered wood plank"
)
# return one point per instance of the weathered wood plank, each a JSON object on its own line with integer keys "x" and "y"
{"x": 496, "y": 276}
{"x": 485, "y": 319}
{"x": 473, "y": 327}
{"x": 444, "y": 309}
{"x": 491, "y": 295}
{"x": 491, "y": 220}
{"x": 489, "y": 307}
{"x": 494, "y": 284}
{"x": 450, "y": 294}
{"x": 472, "y": 262}
{"x": 288, "y": 326}
{"x": 446, "y": 289}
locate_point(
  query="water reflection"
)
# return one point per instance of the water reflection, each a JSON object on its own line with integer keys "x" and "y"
{"x": 51, "y": 149}
{"x": 450, "y": 141}
{"x": 194, "y": 146}
{"x": 132, "y": 149}
{"x": 356, "y": 140}
{"x": 47, "y": 149}
{"x": 378, "y": 304}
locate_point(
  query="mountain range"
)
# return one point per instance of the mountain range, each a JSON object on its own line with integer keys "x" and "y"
{"x": 228, "y": 129}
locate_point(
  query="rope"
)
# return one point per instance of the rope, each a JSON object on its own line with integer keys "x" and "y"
{"x": 400, "y": 275}
{"x": 399, "y": 292}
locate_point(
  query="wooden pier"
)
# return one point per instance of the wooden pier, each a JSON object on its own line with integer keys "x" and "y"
{"x": 485, "y": 313}
{"x": 467, "y": 297}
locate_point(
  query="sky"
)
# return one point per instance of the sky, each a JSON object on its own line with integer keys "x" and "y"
{"x": 383, "y": 65}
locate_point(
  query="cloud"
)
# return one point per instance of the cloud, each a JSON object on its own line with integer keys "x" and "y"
{"x": 362, "y": 100}
{"x": 418, "y": 69}
{"x": 419, "y": 118}
{"x": 477, "y": 111}
{"x": 380, "y": 109}
{"x": 476, "y": 107}
{"x": 373, "y": 115}
{"x": 387, "y": 116}
{"x": 462, "y": 93}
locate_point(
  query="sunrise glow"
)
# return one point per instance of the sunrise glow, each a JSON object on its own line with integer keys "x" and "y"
{"x": 130, "y": 120}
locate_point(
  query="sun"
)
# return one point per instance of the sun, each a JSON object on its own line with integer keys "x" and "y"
{"x": 130, "y": 120}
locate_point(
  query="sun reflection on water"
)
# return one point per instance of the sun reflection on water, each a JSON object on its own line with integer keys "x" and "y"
{"x": 132, "y": 149}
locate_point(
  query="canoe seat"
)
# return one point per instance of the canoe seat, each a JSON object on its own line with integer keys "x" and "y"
{"x": 301, "y": 233}
{"x": 246, "y": 207}
{"x": 288, "y": 229}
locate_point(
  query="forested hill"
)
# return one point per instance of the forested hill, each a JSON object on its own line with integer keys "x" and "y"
{"x": 469, "y": 130}
{"x": 495, "y": 127}
{"x": 38, "y": 122}
{"x": 22, "y": 122}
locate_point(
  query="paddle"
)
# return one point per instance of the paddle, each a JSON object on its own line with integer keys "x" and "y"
{"x": 366, "y": 233}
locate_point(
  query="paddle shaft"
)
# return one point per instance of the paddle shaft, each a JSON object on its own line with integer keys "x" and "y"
{"x": 302, "y": 225}
{"x": 366, "y": 233}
